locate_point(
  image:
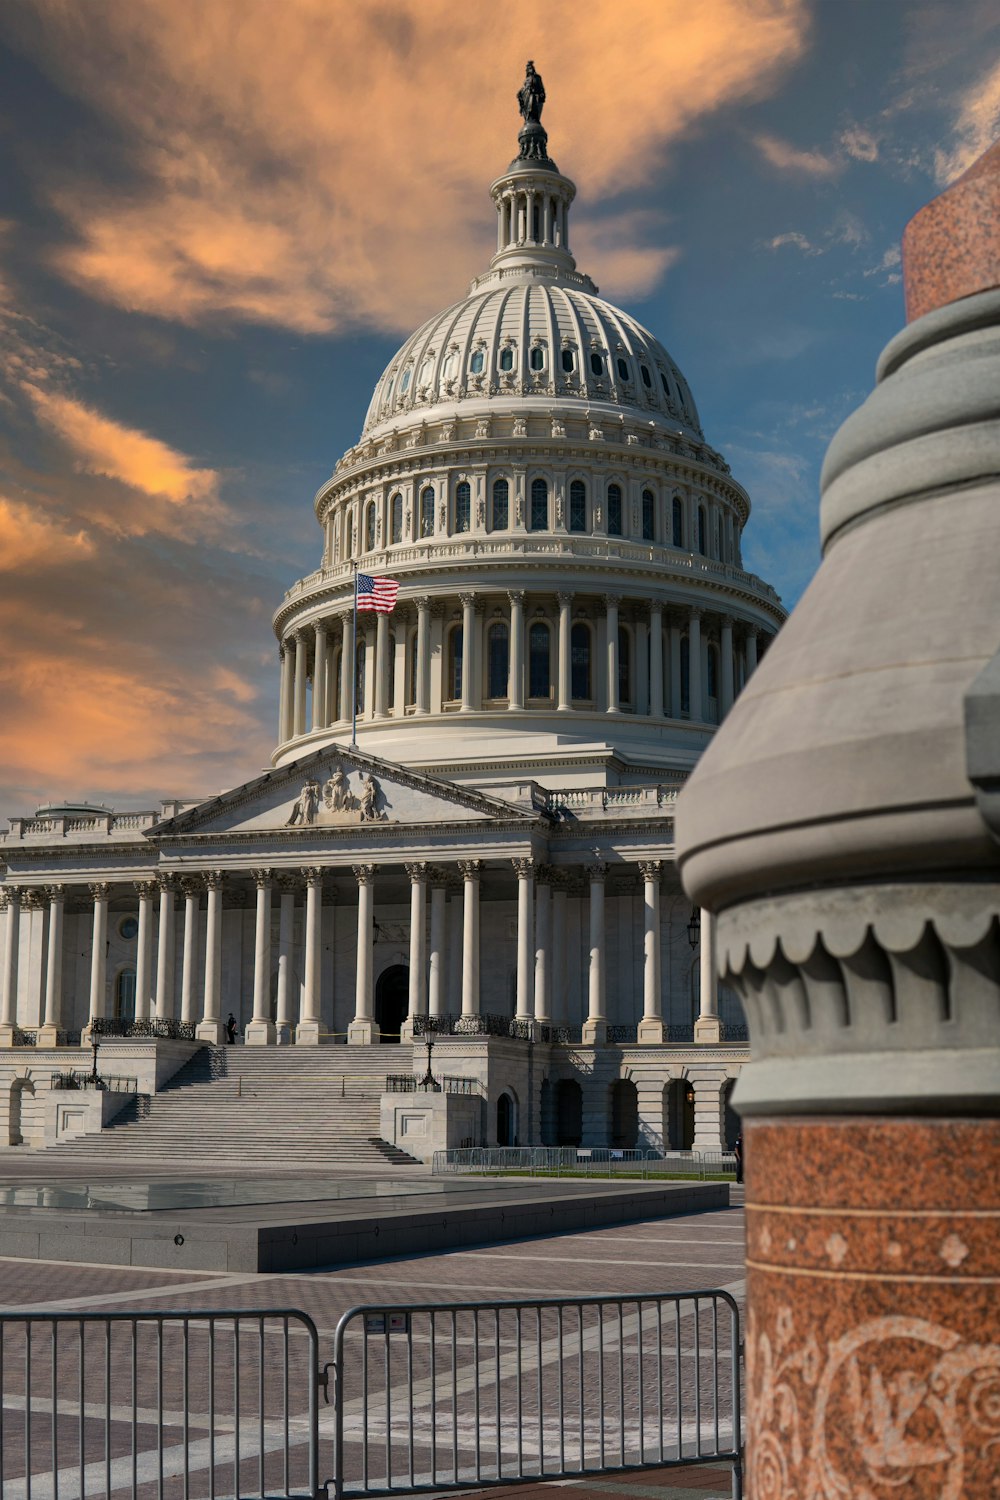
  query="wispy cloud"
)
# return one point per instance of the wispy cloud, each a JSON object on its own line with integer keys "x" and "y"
{"x": 32, "y": 542}
{"x": 286, "y": 173}
{"x": 975, "y": 128}
{"x": 796, "y": 239}
{"x": 860, "y": 144}
{"x": 788, "y": 158}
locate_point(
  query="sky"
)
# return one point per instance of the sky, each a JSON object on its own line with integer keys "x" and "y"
{"x": 220, "y": 218}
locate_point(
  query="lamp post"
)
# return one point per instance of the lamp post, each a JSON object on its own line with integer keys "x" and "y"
{"x": 694, "y": 927}
{"x": 95, "y": 1081}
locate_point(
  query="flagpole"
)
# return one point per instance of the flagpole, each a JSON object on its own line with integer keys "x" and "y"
{"x": 354, "y": 660}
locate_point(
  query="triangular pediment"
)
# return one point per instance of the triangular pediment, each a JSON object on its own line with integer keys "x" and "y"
{"x": 338, "y": 788}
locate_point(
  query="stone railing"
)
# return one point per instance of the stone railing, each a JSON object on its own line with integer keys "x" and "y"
{"x": 92, "y": 825}
{"x": 598, "y": 801}
{"x": 154, "y": 1026}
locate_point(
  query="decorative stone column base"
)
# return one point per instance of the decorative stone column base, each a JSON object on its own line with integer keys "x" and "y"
{"x": 651, "y": 1033}
{"x": 707, "y": 1031}
{"x": 211, "y": 1031}
{"x": 6, "y": 1036}
{"x": 873, "y": 1341}
{"x": 310, "y": 1034}
{"x": 48, "y": 1036}
{"x": 406, "y": 1030}
{"x": 362, "y": 1033}
{"x": 594, "y": 1033}
{"x": 260, "y": 1034}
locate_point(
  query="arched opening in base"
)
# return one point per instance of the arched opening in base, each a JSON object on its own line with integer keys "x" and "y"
{"x": 19, "y": 1090}
{"x": 624, "y": 1115}
{"x": 506, "y": 1119}
{"x": 569, "y": 1113}
{"x": 392, "y": 1000}
{"x": 732, "y": 1126}
{"x": 680, "y": 1114}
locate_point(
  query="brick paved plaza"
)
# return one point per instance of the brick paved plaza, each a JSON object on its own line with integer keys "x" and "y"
{"x": 694, "y": 1252}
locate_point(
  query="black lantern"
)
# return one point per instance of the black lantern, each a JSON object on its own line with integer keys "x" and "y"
{"x": 694, "y": 926}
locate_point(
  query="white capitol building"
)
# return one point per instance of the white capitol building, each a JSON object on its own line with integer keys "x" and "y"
{"x": 493, "y": 858}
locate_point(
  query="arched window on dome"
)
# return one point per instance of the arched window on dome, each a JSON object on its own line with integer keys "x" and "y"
{"x": 539, "y": 518}
{"x": 497, "y": 660}
{"x": 370, "y": 525}
{"x": 685, "y": 675}
{"x": 499, "y": 520}
{"x": 426, "y": 368}
{"x": 716, "y": 536}
{"x": 666, "y": 386}
{"x": 463, "y": 506}
{"x": 396, "y": 504}
{"x": 568, "y": 361}
{"x": 677, "y": 521}
{"x": 539, "y": 661}
{"x": 578, "y": 506}
{"x": 506, "y": 361}
{"x": 391, "y": 694}
{"x": 647, "y": 379}
{"x": 624, "y": 666}
{"x": 359, "y": 677}
{"x": 455, "y": 653}
{"x": 450, "y": 367}
{"x": 404, "y": 384}
{"x": 623, "y": 369}
{"x": 702, "y": 531}
{"x": 536, "y": 359}
{"x": 712, "y": 681}
{"x": 389, "y": 389}
{"x": 411, "y": 669}
{"x": 648, "y": 516}
{"x": 614, "y": 510}
{"x": 477, "y": 362}
{"x": 581, "y": 686}
{"x": 596, "y": 364}
{"x": 427, "y": 512}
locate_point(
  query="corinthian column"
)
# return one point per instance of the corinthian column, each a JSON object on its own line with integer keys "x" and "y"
{"x": 525, "y": 871}
{"x": 565, "y": 703}
{"x": 261, "y": 1030}
{"x": 468, "y": 653}
{"x": 299, "y": 691}
{"x": 651, "y": 1025}
{"x": 471, "y": 870}
{"x": 418, "y": 874}
{"x": 210, "y": 1027}
{"x": 707, "y": 1028}
{"x": 165, "y": 943}
{"x": 48, "y": 1035}
{"x": 543, "y": 947}
{"x": 100, "y": 891}
{"x": 319, "y": 712}
{"x": 144, "y": 951}
{"x": 191, "y": 887}
{"x": 595, "y": 1028}
{"x": 286, "y": 932}
{"x": 436, "y": 986}
{"x": 285, "y": 699}
{"x": 611, "y": 607}
{"x": 10, "y": 905}
{"x": 656, "y": 660}
{"x": 310, "y": 1030}
{"x": 515, "y": 663}
{"x": 363, "y": 1030}
{"x": 422, "y": 686}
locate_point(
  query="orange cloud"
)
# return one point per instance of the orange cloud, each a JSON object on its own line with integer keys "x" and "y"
{"x": 329, "y": 168}
{"x": 977, "y": 119}
{"x": 32, "y": 542}
{"x": 788, "y": 158}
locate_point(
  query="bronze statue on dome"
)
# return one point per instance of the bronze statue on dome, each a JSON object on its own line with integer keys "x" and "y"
{"x": 531, "y": 95}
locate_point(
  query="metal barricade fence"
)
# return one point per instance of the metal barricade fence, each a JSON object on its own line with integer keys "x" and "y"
{"x": 192, "y": 1405}
{"x": 467, "y": 1395}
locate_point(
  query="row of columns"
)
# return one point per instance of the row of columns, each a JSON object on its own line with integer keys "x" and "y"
{"x": 516, "y": 213}
{"x": 332, "y": 700}
{"x": 541, "y": 944}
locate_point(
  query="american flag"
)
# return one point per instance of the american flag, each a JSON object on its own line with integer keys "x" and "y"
{"x": 376, "y": 593}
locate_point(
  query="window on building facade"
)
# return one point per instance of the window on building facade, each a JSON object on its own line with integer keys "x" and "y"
{"x": 702, "y": 531}
{"x": 614, "y": 510}
{"x": 539, "y": 505}
{"x": 624, "y": 665}
{"x": 578, "y": 506}
{"x": 567, "y": 360}
{"x": 647, "y": 379}
{"x": 677, "y": 521}
{"x": 125, "y": 995}
{"x": 411, "y": 669}
{"x": 648, "y": 510}
{"x": 497, "y": 660}
{"x": 360, "y": 659}
{"x": 463, "y": 506}
{"x": 455, "y": 663}
{"x": 477, "y": 362}
{"x": 537, "y": 359}
{"x": 501, "y": 505}
{"x": 427, "y": 512}
{"x": 596, "y": 364}
{"x": 713, "y": 671}
{"x": 507, "y": 358}
{"x": 404, "y": 384}
{"x": 539, "y": 661}
{"x": 579, "y": 656}
{"x": 685, "y": 675}
{"x": 623, "y": 372}
{"x": 370, "y": 527}
{"x": 397, "y": 518}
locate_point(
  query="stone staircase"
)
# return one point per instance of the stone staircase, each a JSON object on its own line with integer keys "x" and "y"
{"x": 245, "y": 1106}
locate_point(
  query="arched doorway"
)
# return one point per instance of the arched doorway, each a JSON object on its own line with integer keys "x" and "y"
{"x": 506, "y": 1120}
{"x": 624, "y": 1115}
{"x": 569, "y": 1113}
{"x": 732, "y": 1125}
{"x": 547, "y": 1113}
{"x": 19, "y": 1090}
{"x": 680, "y": 1114}
{"x": 392, "y": 1000}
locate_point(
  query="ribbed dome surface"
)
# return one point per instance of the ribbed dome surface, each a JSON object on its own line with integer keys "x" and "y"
{"x": 526, "y": 339}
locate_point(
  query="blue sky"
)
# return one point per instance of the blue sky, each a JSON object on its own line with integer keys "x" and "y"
{"x": 215, "y": 231}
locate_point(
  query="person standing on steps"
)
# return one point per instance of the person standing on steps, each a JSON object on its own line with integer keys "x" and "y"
{"x": 231, "y": 1028}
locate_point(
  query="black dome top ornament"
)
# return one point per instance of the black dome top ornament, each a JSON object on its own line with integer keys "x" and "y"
{"x": 532, "y": 137}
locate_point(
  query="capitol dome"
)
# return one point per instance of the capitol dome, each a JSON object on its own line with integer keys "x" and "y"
{"x": 532, "y": 472}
